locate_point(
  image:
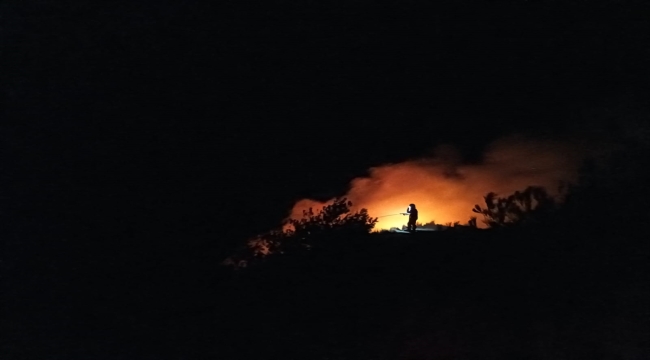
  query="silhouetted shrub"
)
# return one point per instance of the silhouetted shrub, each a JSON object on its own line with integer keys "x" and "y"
{"x": 528, "y": 206}
{"x": 332, "y": 223}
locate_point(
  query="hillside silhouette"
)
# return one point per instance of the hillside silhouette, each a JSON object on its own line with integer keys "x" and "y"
{"x": 573, "y": 283}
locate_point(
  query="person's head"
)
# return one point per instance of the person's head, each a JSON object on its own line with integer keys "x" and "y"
{"x": 412, "y": 206}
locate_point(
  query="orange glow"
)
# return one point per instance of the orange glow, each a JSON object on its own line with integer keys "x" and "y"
{"x": 445, "y": 190}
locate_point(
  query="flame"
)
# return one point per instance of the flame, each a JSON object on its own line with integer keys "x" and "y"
{"x": 445, "y": 190}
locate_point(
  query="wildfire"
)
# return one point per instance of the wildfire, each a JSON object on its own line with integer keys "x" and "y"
{"x": 445, "y": 190}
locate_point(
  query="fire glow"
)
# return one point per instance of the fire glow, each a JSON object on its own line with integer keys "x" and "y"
{"x": 445, "y": 190}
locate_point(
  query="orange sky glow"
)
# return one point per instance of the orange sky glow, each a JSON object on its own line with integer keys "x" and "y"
{"x": 444, "y": 190}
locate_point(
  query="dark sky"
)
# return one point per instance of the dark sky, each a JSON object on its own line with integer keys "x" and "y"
{"x": 198, "y": 117}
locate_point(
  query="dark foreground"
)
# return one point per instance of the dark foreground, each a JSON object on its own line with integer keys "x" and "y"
{"x": 519, "y": 294}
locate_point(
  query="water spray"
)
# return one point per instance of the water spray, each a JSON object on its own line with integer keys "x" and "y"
{"x": 390, "y": 215}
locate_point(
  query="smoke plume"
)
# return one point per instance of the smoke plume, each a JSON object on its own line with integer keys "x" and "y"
{"x": 445, "y": 189}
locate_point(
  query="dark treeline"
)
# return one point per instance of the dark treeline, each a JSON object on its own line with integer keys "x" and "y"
{"x": 571, "y": 281}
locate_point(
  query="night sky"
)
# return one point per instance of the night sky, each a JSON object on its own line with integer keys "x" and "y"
{"x": 209, "y": 120}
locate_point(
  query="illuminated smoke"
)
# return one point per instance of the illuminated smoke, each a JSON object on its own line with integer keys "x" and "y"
{"x": 445, "y": 190}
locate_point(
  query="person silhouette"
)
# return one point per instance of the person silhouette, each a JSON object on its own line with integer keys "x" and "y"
{"x": 412, "y": 212}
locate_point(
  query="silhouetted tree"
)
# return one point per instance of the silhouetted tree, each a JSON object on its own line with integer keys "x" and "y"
{"x": 530, "y": 205}
{"x": 316, "y": 229}
{"x": 334, "y": 217}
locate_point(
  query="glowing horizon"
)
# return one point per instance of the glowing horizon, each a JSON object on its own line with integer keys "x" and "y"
{"x": 445, "y": 191}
